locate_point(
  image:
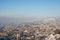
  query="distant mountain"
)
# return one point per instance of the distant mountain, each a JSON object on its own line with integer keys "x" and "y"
{"x": 8, "y": 20}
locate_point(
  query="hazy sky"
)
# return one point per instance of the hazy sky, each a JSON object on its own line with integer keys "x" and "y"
{"x": 29, "y": 8}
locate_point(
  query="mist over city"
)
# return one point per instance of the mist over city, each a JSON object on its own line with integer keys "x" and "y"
{"x": 29, "y": 19}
